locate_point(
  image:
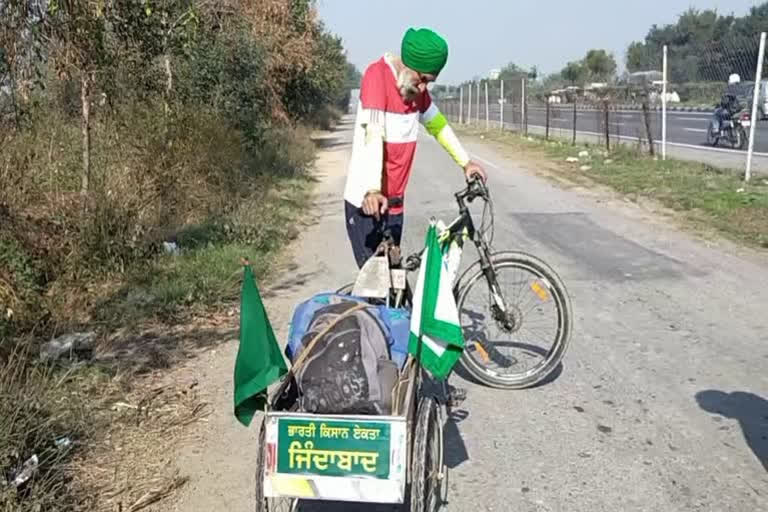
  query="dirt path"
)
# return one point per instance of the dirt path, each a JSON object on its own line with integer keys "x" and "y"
{"x": 661, "y": 402}
{"x": 220, "y": 465}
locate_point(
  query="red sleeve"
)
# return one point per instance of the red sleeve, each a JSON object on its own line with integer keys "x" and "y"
{"x": 425, "y": 102}
{"x": 373, "y": 93}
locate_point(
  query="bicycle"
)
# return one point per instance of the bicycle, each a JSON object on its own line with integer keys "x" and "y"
{"x": 482, "y": 357}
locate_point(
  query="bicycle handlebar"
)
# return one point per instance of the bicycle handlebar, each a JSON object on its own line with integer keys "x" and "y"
{"x": 475, "y": 188}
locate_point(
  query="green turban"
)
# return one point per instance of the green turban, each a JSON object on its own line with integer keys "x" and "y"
{"x": 424, "y": 51}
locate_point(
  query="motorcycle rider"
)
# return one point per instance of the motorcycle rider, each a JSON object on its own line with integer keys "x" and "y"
{"x": 729, "y": 102}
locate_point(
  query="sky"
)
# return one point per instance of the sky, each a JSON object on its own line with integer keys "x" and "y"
{"x": 487, "y": 34}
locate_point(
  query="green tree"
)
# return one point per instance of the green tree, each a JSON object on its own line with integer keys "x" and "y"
{"x": 77, "y": 37}
{"x": 353, "y": 76}
{"x": 513, "y": 72}
{"x": 599, "y": 65}
{"x": 573, "y": 72}
{"x": 641, "y": 57}
{"x": 703, "y": 45}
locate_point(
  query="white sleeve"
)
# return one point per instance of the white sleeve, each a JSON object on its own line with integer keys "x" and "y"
{"x": 373, "y": 149}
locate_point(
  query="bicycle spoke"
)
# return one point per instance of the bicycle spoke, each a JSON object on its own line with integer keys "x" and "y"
{"x": 521, "y": 346}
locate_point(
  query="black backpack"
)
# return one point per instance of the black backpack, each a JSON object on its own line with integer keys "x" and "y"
{"x": 348, "y": 370}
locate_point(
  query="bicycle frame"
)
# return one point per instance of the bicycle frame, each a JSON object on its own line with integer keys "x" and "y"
{"x": 458, "y": 228}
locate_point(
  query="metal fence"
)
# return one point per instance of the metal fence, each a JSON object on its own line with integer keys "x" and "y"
{"x": 670, "y": 105}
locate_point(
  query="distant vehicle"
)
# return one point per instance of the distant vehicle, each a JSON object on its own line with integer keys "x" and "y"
{"x": 733, "y": 130}
{"x": 762, "y": 98}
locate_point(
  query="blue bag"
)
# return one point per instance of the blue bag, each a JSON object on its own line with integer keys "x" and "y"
{"x": 395, "y": 322}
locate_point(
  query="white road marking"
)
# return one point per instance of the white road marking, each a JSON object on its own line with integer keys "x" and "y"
{"x": 569, "y": 108}
{"x": 697, "y": 130}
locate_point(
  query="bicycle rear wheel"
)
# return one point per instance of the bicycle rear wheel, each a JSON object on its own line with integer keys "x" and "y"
{"x": 522, "y": 347}
{"x": 264, "y": 504}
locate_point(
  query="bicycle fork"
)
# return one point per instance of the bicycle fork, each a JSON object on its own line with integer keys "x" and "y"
{"x": 499, "y": 307}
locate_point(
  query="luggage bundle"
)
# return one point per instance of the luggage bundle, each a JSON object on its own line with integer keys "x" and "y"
{"x": 354, "y": 364}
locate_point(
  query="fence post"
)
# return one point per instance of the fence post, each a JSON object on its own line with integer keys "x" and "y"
{"x": 501, "y": 103}
{"x": 647, "y": 119}
{"x": 469, "y": 103}
{"x": 487, "y": 107}
{"x": 461, "y": 105}
{"x": 546, "y": 100}
{"x": 664, "y": 108}
{"x": 574, "y": 119}
{"x": 755, "y": 98}
{"x": 522, "y": 106}
{"x": 607, "y": 128}
{"x": 478, "y": 104}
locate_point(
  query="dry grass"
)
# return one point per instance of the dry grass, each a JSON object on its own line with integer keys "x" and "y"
{"x": 44, "y": 412}
{"x": 127, "y": 409}
{"x": 131, "y": 467}
{"x": 68, "y": 261}
{"x": 102, "y": 443}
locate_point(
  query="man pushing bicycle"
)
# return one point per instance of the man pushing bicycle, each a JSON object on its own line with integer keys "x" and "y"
{"x": 393, "y": 102}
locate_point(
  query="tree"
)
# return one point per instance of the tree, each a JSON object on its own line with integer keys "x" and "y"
{"x": 76, "y": 32}
{"x": 600, "y": 65}
{"x": 353, "y": 76}
{"x": 552, "y": 81}
{"x": 703, "y": 45}
{"x": 285, "y": 29}
{"x": 641, "y": 57}
{"x": 19, "y": 51}
{"x": 573, "y": 72}
{"x": 512, "y": 72}
{"x": 755, "y": 22}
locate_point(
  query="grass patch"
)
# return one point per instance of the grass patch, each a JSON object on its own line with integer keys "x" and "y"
{"x": 46, "y": 414}
{"x": 703, "y": 195}
{"x": 93, "y": 427}
{"x": 111, "y": 275}
{"x": 205, "y": 271}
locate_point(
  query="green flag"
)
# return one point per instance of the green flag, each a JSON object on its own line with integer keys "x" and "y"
{"x": 436, "y": 338}
{"x": 259, "y": 361}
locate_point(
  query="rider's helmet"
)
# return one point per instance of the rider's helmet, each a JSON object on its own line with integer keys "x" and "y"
{"x": 734, "y": 79}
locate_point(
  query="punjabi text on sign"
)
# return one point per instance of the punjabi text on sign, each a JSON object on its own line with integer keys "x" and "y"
{"x": 305, "y": 457}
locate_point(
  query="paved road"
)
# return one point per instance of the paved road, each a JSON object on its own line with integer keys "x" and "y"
{"x": 685, "y": 131}
{"x": 662, "y": 401}
{"x": 682, "y": 127}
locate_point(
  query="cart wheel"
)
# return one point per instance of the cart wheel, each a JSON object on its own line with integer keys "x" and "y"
{"x": 426, "y": 460}
{"x": 268, "y": 504}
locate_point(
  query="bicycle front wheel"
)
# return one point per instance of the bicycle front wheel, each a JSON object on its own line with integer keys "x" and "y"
{"x": 524, "y": 343}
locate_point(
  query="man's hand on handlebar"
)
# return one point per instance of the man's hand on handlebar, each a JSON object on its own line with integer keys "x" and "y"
{"x": 375, "y": 204}
{"x": 473, "y": 169}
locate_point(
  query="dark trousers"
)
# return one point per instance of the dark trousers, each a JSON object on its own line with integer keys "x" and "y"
{"x": 365, "y": 232}
{"x": 722, "y": 114}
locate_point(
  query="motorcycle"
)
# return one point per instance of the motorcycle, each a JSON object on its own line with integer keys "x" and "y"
{"x": 732, "y": 130}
